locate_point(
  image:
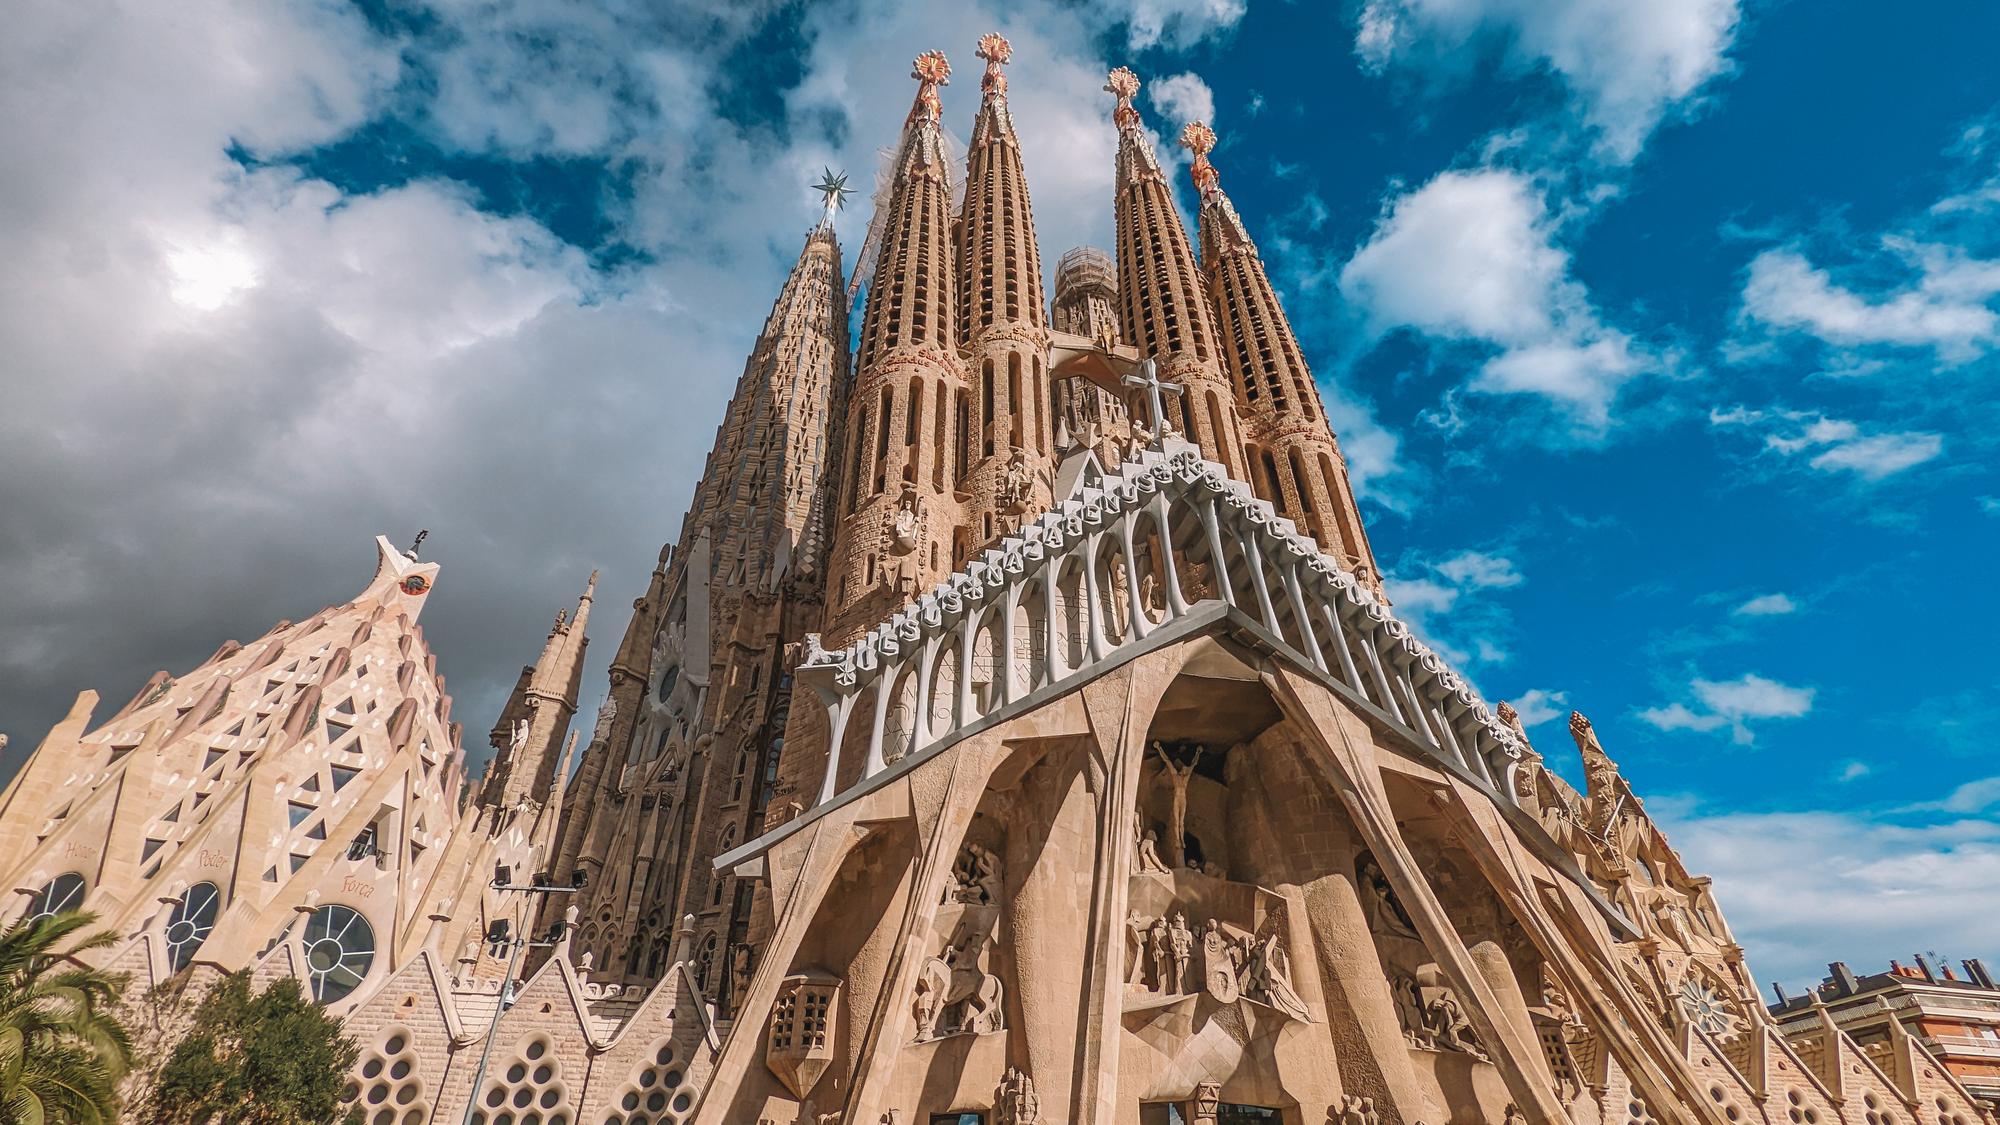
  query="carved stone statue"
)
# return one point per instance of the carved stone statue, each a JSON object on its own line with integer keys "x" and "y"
{"x": 1146, "y": 855}
{"x": 975, "y": 877}
{"x": 1385, "y": 914}
{"x": 1177, "y": 775}
{"x": 1514, "y": 1116}
{"x": 1181, "y": 950}
{"x": 1440, "y": 1023}
{"x": 955, "y": 994}
{"x": 1017, "y": 484}
{"x": 1160, "y": 944}
{"x": 517, "y": 737}
{"x": 1275, "y": 976}
{"x": 903, "y": 535}
{"x": 741, "y": 961}
{"x": 1218, "y": 965}
{"x": 1135, "y": 928}
{"x": 1015, "y": 1102}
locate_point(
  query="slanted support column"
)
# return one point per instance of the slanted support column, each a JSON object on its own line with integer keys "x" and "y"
{"x": 1134, "y": 606}
{"x": 840, "y": 707}
{"x": 1163, "y": 526}
{"x": 1337, "y": 737}
{"x": 1217, "y": 561}
{"x": 883, "y": 688}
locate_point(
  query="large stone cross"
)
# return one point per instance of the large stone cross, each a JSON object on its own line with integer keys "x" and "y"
{"x": 1149, "y": 378}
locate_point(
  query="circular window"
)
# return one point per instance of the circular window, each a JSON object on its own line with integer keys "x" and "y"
{"x": 64, "y": 892}
{"x": 339, "y": 946}
{"x": 192, "y": 920}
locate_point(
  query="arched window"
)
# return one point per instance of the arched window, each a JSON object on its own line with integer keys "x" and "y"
{"x": 64, "y": 892}
{"x": 192, "y": 920}
{"x": 340, "y": 947}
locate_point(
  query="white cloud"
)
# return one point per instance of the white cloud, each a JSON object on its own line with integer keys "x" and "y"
{"x": 1976, "y": 796}
{"x": 1803, "y": 888}
{"x": 1854, "y": 770}
{"x": 1628, "y": 65}
{"x": 1538, "y": 705}
{"x": 1946, "y": 308}
{"x": 1834, "y": 445}
{"x": 1176, "y": 24}
{"x": 1181, "y": 98}
{"x": 202, "y": 352}
{"x": 1766, "y": 605}
{"x": 1442, "y": 600}
{"x": 1472, "y": 256}
{"x": 1479, "y": 569}
{"x": 1732, "y": 703}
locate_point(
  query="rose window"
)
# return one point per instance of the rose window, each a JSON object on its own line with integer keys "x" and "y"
{"x": 339, "y": 947}
{"x": 1705, "y": 1008}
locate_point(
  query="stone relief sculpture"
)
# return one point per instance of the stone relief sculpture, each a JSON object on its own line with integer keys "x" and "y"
{"x": 975, "y": 877}
{"x": 1378, "y": 899}
{"x": 1015, "y": 1102}
{"x": 1180, "y": 949}
{"x": 1220, "y": 961}
{"x": 1171, "y": 959}
{"x": 1357, "y": 1111}
{"x": 1432, "y": 1017}
{"x": 955, "y": 993}
{"x": 1017, "y": 484}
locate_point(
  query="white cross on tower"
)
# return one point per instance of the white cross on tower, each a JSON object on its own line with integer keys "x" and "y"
{"x": 1149, "y": 378}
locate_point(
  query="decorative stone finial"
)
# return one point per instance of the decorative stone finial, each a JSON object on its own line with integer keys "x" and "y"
{"x": 994, "y": 48}
{"x": 1198, "y": 138}
{"x": 417, "y": 544}
{"x": 1124, "y": 85}
{"x": 931, "y": 70}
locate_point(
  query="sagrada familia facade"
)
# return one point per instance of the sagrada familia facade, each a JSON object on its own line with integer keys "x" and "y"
{"x": 1016, "y": 733}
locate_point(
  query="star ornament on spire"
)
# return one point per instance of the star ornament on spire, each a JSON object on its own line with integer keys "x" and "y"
{"x": 931, "y": 70}
{"x": 994, "y": 48}
{"x": 1198, "y": 138}
{"x": 833, "y": 190}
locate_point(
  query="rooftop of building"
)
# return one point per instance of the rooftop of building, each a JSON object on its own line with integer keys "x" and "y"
{"x": 1842, "y": 984}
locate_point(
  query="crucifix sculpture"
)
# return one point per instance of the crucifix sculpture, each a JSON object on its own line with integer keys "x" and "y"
{"x": 1149, "y": 378}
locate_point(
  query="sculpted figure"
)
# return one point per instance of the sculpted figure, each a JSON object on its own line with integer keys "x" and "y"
{"x": 1182, "y": 951}
{"x": 1017, "y": 484}
{"x": 1218, "y": 966}
{"x": 1385, "y": 914}
{"x": 1514, "y": 1116}
{"x": 1410, "y": 1012}
{"x": 1160, "y": 943}
{"x": 1176, "y": 776}
{"x": 1135, "y": 930}
{"x": 1016, "y": 1103}
{"x": 1275, "y": 977}
{"x": 1147, "y": 856}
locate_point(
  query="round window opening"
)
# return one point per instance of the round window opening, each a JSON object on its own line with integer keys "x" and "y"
{"x": 339, "y": 947}
{"x": 190, "y": 923}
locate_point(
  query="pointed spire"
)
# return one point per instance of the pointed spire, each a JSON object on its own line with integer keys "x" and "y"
{"x": 1165, "y": 309}
{"x": 1002, "y": 323}
{"x": 538, "y": 711}
{"x": 833, "y": 192}
{"x": 1295, "y": 461}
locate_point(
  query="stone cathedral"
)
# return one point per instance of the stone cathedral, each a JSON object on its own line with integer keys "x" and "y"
{"x": 1015, "y": 733}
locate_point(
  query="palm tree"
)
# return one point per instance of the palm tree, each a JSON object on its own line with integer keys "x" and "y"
{"x": 62, "y": 1051}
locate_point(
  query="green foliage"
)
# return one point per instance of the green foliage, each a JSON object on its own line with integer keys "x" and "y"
{"x": 62, "y": 1049}
{"x": 251, "y": 1058}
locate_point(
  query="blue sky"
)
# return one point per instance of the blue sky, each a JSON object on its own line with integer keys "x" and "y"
{"x": 1662, "y": 338}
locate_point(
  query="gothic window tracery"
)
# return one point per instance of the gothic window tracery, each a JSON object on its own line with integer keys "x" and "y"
{"x": 190, "y": 923}
{"x": 64, "y": 892}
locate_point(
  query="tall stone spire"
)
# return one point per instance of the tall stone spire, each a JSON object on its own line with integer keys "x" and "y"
{"x": 1008, "y": 443}
{"x": 1294, "y": 460}
{"x": 1166, "y": 311}
{"x": 680, "y": 762}
{"x": 536, "y": 718}
{"x": 896, "y": 502}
